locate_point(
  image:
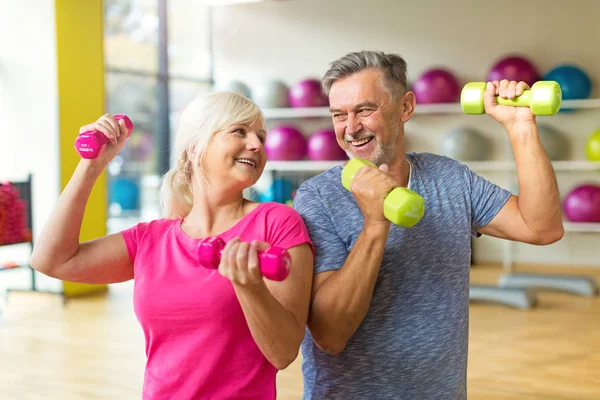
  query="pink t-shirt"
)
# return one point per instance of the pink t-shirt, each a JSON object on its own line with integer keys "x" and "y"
{"x": 198, "y": 344}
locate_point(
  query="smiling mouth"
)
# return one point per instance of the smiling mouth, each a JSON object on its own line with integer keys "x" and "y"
{"x": 360, "y": 142}
{"x": 246, "y": 161}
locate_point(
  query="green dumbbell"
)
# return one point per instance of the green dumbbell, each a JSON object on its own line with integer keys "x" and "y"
{"x": 401, "y": 206}
{"x": 543, "y": 98}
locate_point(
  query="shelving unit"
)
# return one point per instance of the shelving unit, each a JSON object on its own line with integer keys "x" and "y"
{"x": 421, "y": 109}
{"x": 515, "y": 290}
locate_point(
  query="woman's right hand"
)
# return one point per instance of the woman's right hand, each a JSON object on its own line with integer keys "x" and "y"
{"x": 114, "y": 130}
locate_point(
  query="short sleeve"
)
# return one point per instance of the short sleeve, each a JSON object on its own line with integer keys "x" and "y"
{"x": 330, "y": 250}
{"x": 132, "y": 237}
{"x": 487, "y": 199}
{"x": 286, "y": 228}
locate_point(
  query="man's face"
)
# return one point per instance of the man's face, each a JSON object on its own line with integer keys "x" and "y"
{"x": 367, "y": 123}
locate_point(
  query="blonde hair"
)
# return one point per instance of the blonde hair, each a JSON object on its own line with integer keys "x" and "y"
{"x": 201, "y": 119}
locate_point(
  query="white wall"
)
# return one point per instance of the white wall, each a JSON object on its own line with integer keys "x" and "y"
{"x": 28, "y": 115}
{"x": 292, "y": 40}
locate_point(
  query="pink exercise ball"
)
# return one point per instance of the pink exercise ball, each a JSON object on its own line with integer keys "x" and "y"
{"x": 582, "y": 204}
{"x": 436, "y": 86}
{"x": 514, "y": 68}
{"x": 285, "y": 143}
{"x": 307, "y": 93}
{"x": 323, "y": 146}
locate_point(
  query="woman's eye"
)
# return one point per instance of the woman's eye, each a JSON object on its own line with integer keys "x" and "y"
{"x": 240, "y": 131}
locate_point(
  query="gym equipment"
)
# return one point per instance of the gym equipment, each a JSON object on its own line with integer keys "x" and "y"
{"x": 234, "y": 86}
{"x": 436, "y": 86}
{"x": 582, "y": 204}
{"x": 512, "y": 297}
{"x": 574, "y": 81}
{"x": 13, "y": 216}
{"x": 307, "y": 93}
{"x": 271, "y": 94}
{"x": 465, "y": 144}
{"x": 323, "y": 146}
{"x": 580, "y": 285}
{"x": 126, "y": 193}
{"x": 91, "y": 144}
{"x": 285, "y": 143}
{"x": 554, "y": 143}
{"x": 275, "y": 262}
{"x": 592, "y": 146}
{"x": 279, "y": 191}
{"x": 544, "y": 98}
{"x": 401, "y": 206}
{"x": 514, "y": 68}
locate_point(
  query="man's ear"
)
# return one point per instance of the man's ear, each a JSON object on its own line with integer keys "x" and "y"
{"x": 407, "y": 106}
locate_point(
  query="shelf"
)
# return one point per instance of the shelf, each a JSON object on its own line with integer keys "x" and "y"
{"x": 511, "y": 166}
{"x": 320, "y": 166}
{"x": 581, "y": 226}
{"x": 443, "y": 108}
{"x": 301, "y": 166}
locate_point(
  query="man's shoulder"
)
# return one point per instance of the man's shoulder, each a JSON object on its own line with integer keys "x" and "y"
{"x": 329, "y": 180}
{"x": 431, "y": 161}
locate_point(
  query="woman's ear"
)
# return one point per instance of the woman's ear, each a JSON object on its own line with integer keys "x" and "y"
{"x": 407, "y": 106}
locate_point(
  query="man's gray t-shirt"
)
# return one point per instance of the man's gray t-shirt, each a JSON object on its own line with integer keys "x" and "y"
{"x": 412, "y": 344}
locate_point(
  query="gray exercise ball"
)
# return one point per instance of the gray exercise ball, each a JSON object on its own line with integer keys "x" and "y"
{"x": 465, "y": 144}
{"x": 271, "y": 94}
{"x": 554, "y": 143}
{"x": 234, "y": 86}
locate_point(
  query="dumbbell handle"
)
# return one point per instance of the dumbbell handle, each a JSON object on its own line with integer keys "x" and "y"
{"x": 275, "y": 262}
{"x": 90, "y": 144}
{"x": 410, "y": 204}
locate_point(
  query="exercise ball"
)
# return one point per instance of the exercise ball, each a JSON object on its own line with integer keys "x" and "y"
{"x": 574, "y": 82}
{"x": 279, "y": 191}
{"x": 271, "y": 94}
{"x": 307, "y": 93}
{"x": 125, "y": 192}
{"x": 285, "y": 143}
{"x": 554, "y": 143}
{"x": 465, "y": 144}
{"x": 582, "y": 204}
{"x": 514, "y": 68}
{"x": 592, "y": 146}
{"x": 323, "y": 146}
{"x": 436, "y": 86}
{"x": 234, "y": 86}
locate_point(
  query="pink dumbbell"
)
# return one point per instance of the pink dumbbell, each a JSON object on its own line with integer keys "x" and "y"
{"x": 275, "y": 262}
{"x": 90, "y": 144}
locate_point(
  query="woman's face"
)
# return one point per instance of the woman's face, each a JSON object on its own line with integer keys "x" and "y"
{"x": 236, "y": 157}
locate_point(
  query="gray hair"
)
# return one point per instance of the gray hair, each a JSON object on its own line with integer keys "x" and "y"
{"x": 392, "y": 65}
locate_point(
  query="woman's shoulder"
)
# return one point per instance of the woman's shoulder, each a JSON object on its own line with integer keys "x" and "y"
{"x": 159, "y": 225}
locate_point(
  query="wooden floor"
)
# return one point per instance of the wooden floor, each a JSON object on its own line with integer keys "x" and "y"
{"x": 93, "y": 348}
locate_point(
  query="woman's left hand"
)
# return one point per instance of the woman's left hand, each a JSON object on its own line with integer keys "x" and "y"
{"x": 240, "y": 263}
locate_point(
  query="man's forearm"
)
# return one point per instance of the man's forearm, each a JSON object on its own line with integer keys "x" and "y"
{"x": 342, "y": 301}
{"x": 539, "y": 200}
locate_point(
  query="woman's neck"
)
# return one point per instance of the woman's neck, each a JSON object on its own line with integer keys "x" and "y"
{"x": 212, "y": 215}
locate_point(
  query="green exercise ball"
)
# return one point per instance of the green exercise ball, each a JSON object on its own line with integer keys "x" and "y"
{"x": 592, "y": 146}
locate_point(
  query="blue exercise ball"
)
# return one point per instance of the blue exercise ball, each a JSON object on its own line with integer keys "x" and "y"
{"x": 574, "y": 82}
